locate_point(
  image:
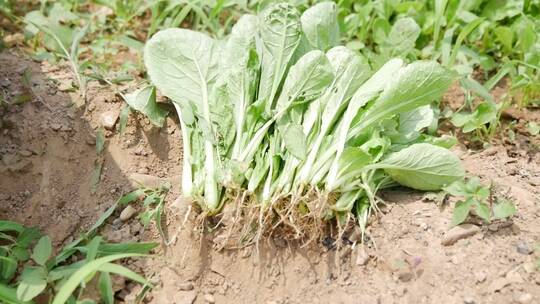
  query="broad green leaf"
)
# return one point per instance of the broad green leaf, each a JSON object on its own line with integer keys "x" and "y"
{"x": 8, "y": 267}
{"x": 144, "y": 101}
{"x": 505, "y": 36}
{"x": 280, "y": 32}
{"x": 402, "y": 38}
{"x": 306, "y": 80}
{"x": 8, "y": 295}
{"x": 412, "y": 122}
{"x": 183, "y": 65}
{"x": 483, "y": 211}
{"x": 124, "y": 115}
{"x": 504, "y": 209}
{"x": 42, "y": 251}
{"x": 461, "y": 211}
{"x": 33, "y": 282}
{"x": 295, "y": 140}
{"x": 413, "y": 86}
{"x": 457, "y": 188}
{"x": 423, "y": 167}
{"x": 140, "y": 248}
{"x": 105, "y": 288}
{"x": 320, "y": 25}
{"x": 11, "y": 226}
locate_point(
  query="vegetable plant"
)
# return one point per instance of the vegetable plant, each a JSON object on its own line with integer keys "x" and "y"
{"x": 479, "y": 199}
{"x": 281, "y": 118}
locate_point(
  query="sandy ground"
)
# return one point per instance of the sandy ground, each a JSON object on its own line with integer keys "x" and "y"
{"x": 48, "y": 153}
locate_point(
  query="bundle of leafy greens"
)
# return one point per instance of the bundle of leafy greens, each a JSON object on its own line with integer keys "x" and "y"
{"x": 281, "y": 116}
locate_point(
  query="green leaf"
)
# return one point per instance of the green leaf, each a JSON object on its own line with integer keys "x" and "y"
{"x": 504, "y": 209}
{"x": 144, "y": 101}
{"x": 402, "y": 38}
{"x": 505, "y": 36}
{"x": 123, "y": 271}
{"x": 33, "y": 282}
{"x": 280, "y": 32}
{"x": 8, "y": 295}
{"x": 8, "y": 267}
{"x": 413, "y": 86}
{"x": 533, "y": 128}
{"x": 80, "y": 275}
{"x": 295, "y": 141}
{"x": 423, "y": 167}
{"x": 461, "y": 211}
{"x": 457, "y": 188}
{"x": 100, "y": 140}
{"x": 42, "y": 251}
{"x": 483, "y": 211}
{"x": 124, "y": 115}
{"x": 320, "y": 25}
{"x": 105, "y": 288}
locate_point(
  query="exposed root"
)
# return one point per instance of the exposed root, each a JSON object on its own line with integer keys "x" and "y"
{"x": 302, "y": 217}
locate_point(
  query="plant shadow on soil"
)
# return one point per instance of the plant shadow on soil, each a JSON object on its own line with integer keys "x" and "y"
{"x": 48, "y": 153}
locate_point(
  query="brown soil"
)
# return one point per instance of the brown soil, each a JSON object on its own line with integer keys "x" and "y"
{"x": 47, "y": 147}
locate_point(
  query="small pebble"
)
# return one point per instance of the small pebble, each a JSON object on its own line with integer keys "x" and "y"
{"x": 209, "y": 298}
{"x": 468, "y": 300}
{"x": 524, "y": 298}
{"x": 524, "y": 248}
{"x": 185, "y": 286}
{"x": 480, "y": 277}
{"x": 127, "y": 213}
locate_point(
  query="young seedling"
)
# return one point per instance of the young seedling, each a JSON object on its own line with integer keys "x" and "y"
{"x": 479, "y": 199}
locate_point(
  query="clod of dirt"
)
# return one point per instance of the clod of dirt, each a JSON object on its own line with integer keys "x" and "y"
{"x": 524, "y": 248}
{"x": 209, "y": 298}
{"x": 108, "y": 119}
{"x": 127, "y": 213}
{"x": 468, "y": 300}
{"x": 405, "y": 275}
{"x": 480, "y": 277}
{"x": 524, "y": 298}
{"x": 185, "y": 286}
{"x": 459, "y": 232}
{"x": 362, "y": 258}
{"x": 182, "y": 297}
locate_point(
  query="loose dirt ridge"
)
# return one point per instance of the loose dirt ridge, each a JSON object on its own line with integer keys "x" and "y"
{"x": 48, "y": 153}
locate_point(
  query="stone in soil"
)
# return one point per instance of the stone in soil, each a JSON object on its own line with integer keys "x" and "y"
{"x": 524, "y": 298}
{"x": 468, "y": 300}
{"x": 184, "y": 297}
{"x": 209, "y": 298}
{"x": 185, "y": 286}
{"x": 127, "y": 213}
{"x": 459, "y": 232}
{"x": 108, "y": 119}
{"x": 362, "y": 258}
{"x": 524, "y": 248}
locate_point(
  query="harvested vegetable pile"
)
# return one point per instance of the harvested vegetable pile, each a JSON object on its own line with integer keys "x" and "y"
{"x": 279, "y": 120}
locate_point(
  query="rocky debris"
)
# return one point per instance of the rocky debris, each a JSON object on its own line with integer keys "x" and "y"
{"x": 14, "y": 39}
{"x": 362, "y": 257}
{"x": 187, "y": 286}
{"x": 468, "y": 300}
{"x": 10, "y": 159}
{"x": 183, "y": 297}
{"x": 524, "y": 298}
{"x": 480, "y": 277}
{"x": 127, "y": 213}
{"x": 524, "y": 248}
{"x": 118, "y": 236}
{"x": 56, "y": 126}
{"x": 405, "y": 275}
{"x": 108, "y": 119}
{"x": 459, "y": 232}
{"x": 209, "y": 298}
